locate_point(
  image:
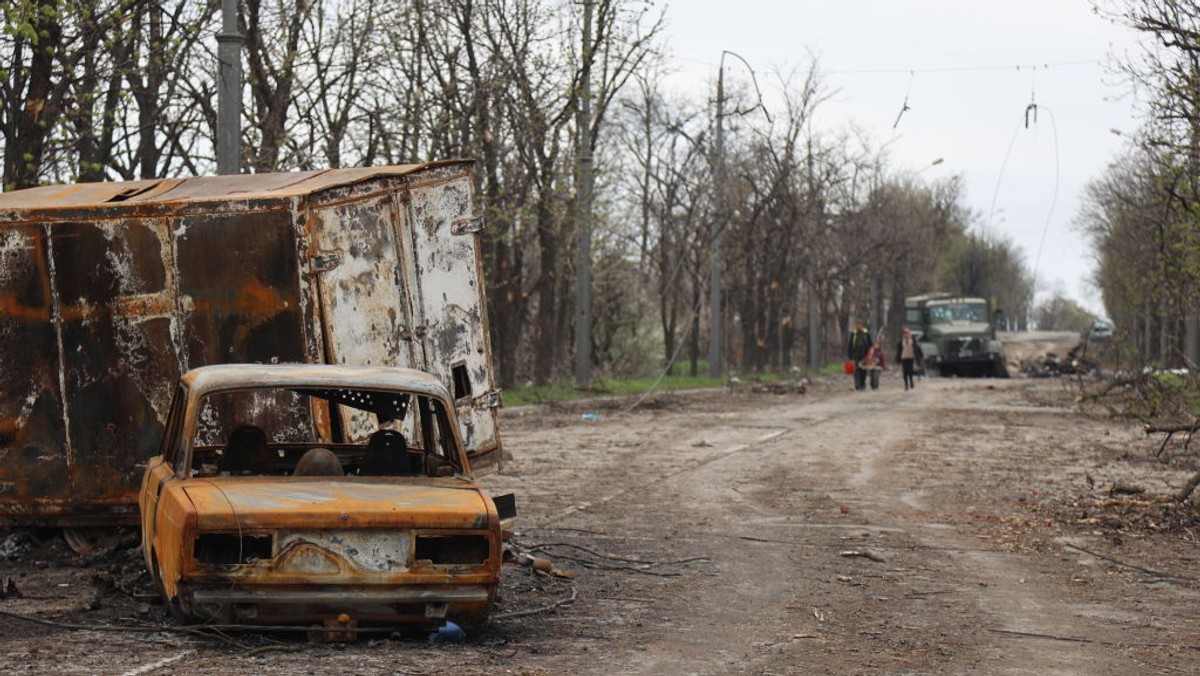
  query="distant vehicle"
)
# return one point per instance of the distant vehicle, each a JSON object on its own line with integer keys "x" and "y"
{"x": 308, "y": 494}
{"x": 1100, "y": 329}
{"x": 957, "y": 335}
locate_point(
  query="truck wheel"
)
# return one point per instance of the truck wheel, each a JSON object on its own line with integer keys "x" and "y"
{"x": 87, "y": 540}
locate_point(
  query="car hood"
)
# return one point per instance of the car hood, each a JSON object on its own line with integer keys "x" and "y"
{"x": 248, "y": 503}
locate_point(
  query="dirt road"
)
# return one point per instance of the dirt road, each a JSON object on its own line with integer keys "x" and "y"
{"x": 968, "y": 527}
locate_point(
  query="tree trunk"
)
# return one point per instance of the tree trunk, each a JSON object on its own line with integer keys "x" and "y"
{"x": 33, "y": 115}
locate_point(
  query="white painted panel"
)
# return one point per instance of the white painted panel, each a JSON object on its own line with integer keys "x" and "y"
{"x": 446, "y": 273}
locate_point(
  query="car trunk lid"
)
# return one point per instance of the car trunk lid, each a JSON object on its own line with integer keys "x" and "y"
{"x": 249, "y": 503}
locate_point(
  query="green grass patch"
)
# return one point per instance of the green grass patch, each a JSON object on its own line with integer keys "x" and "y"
{"x": 522, "y": 395}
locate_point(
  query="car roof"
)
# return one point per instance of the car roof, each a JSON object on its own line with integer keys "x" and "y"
{"x": 244, "y": 376}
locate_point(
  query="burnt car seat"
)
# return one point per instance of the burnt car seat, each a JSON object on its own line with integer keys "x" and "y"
{"x": 246, "y": 452}
{"x": 386, "y": 455}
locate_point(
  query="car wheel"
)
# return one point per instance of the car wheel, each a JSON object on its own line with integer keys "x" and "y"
{"x": 172, "y": 605}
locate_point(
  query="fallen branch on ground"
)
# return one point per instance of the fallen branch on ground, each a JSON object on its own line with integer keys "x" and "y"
{"x": 1140, "y": 569}
{"x": 854, "y": 553}
{"x": 1076, "y": 639}
{"x": 534, "y": 611}
{"x": 1186, "y": 492}
{"x": 639, "y": 565}
{"x": 1172, "y": 429}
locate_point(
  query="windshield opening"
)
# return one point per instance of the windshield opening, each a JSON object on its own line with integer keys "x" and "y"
{"x": 958, "y": 312}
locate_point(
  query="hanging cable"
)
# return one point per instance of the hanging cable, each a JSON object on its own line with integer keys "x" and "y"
{"x": 904, "y": 106}
{"x": 1053, "y": 198}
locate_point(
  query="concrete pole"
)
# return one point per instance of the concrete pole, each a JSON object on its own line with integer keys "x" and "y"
{"x": 716, "y": 351}
{"x": 229, "y": 91}
{"x": 583, "y": 254}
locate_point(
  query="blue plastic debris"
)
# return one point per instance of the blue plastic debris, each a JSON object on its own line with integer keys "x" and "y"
{"x": 448, "y": 633}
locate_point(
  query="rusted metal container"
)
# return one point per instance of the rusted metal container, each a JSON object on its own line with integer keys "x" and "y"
{"x": 110, "y": 291}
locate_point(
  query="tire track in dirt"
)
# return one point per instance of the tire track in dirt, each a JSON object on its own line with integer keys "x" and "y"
{"x": 939, "y": 597}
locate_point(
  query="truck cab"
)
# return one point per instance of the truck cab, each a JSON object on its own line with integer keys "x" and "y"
{"x": 957, "y": 335}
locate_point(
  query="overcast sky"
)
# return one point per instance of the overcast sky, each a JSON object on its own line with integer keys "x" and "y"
{"x": 968, "y": 69}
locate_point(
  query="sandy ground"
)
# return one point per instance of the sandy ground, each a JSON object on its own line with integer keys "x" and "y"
{"x": 970, "y": 526}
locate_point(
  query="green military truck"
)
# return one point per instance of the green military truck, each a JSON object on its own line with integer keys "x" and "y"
{"x": 957, "y": 335}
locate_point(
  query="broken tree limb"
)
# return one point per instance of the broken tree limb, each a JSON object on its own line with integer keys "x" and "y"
{"x": 1186, "y": 492}
{"x": 1079, "y": 639}
{"x": 535, "y": 611}
{"x": 1130, "y": 566}
{"x": 862, "y": 554}
{"x": 1190, "y": 428}
{"x": 1170, "y": 431}
{"x": 1099, "y": 394}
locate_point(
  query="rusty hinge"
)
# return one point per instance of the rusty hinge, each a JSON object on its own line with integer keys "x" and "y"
{"x": 465, "y": 226}
{"x": 490, "y": 399}
{"x": 325, "y": 261}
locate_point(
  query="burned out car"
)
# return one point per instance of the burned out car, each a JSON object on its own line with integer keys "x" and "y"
{"x": 302, "y": 494}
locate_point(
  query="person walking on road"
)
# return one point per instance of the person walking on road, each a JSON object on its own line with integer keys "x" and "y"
{"x": 856, "y": 351}
{"x": 908, "y": 353}
{"x": 874, "y": 363}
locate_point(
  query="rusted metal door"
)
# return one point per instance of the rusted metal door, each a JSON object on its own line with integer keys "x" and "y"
{"x": 115, "y": 309}
{"x": 448, "y": 312}
{"x": 32, "y": 432}
{"x": 363, "y": 287}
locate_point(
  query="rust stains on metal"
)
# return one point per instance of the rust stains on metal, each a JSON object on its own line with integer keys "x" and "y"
{"x": 109, "y": 291}
{"x": 267, "y": 545}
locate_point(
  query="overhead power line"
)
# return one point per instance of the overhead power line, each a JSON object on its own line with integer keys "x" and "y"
{"x": 962, "y": 69}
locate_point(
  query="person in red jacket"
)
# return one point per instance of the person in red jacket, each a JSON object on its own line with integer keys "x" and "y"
{"x": 874, "y": 363}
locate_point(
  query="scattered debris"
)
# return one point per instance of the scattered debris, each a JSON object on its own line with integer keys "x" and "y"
{"x": 1052, "y": 365}
{"x": 799, "y": 386}
{"x": 862, "y": 554}
{"x": 597, "y": 560}
{"x": 16, "y": 544}
{"x": 448, "y": 633}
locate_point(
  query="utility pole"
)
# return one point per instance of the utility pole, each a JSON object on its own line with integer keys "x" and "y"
{"x": 716, "y": 352}
{"x": 814, "y": 321}
{"x": 1191, "y": 340}
{"x": 583, "y": 254}
{"x": 229, "y": 91}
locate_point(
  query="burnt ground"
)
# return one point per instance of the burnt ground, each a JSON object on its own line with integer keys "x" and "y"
{"x": 974, "y": 526}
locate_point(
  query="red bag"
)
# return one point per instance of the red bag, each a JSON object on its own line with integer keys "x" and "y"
{"x": 848, "y": 367}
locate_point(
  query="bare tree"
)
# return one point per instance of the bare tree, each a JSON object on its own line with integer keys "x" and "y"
{"x": 272, "y": 31}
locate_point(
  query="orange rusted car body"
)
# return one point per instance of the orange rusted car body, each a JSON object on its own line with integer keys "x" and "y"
{"x": 418, "y": 545}
{"x": 110, "y": 291}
